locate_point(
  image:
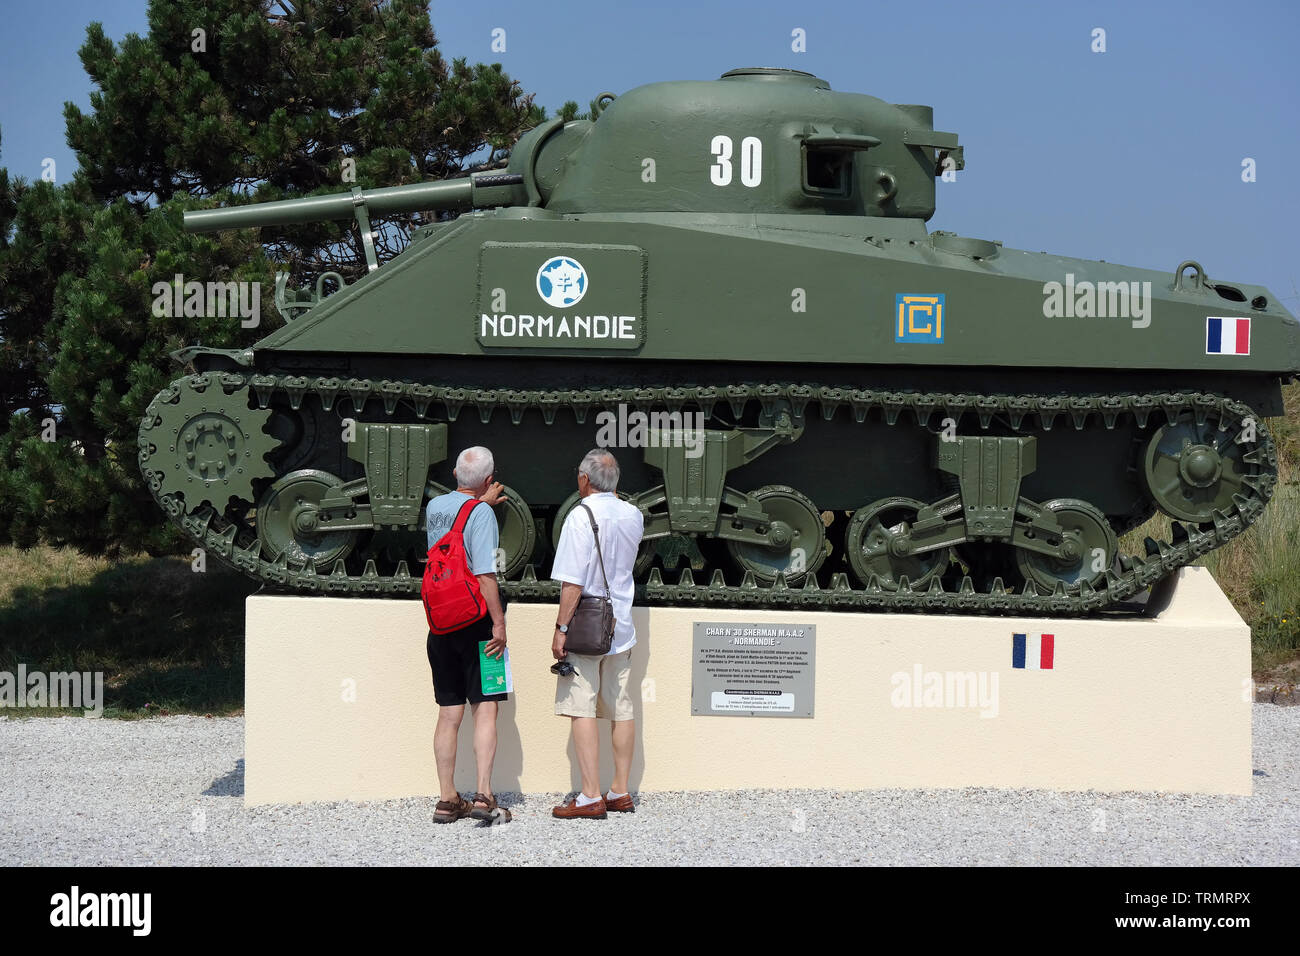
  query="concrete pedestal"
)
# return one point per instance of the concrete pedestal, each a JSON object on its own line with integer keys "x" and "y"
{"x": 339, "y": 704}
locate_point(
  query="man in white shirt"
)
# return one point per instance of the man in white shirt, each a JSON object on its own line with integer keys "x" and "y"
{"x": 597, "y": 687}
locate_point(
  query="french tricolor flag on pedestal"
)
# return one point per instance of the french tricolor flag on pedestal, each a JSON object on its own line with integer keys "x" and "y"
{"x": 1225, "y": 336}
{"x": 1033, "y": 652}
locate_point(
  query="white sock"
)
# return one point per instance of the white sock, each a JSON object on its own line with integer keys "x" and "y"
{"x": 584, "y": 800}
{"x": 611, "y": 795}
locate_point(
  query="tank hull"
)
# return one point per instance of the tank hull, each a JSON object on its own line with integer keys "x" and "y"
{"x": 773, "y": 289}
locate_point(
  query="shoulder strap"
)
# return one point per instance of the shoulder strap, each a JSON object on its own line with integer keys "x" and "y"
{"x": 462, "y": 516}
{"x": 595, "y": 533}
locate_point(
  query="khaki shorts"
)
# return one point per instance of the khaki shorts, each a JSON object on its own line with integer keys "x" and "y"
{"x": 596, "y": 688}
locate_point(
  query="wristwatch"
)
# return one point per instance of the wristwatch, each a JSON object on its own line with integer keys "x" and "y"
{"x": 562, "y": 628}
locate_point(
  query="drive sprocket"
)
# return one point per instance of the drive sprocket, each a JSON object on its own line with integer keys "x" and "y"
{"x": 207, "y": 445}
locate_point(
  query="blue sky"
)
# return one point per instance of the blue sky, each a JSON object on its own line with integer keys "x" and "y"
{"x": 1133, "y": 155}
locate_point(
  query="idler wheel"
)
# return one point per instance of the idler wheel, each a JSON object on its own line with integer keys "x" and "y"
{"x": 517, "y": 533}
{"x": 1089, "y": 548}
{"x": 288, "y": 517}
{"x": 876, "y": 542}
{"x": 1193, "y": 470}
{"x": 798, "y": 533}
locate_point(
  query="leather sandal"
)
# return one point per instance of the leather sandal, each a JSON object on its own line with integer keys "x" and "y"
{"x": 447, "y": 811}
{"x": 482, "y": 813}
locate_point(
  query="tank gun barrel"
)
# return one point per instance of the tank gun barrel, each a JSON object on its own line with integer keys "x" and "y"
{"x": 477, "y": 191}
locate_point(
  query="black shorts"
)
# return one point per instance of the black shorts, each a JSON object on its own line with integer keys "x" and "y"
{"x": 453, "y": 658}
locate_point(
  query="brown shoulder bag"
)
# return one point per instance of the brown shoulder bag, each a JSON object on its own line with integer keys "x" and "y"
{"x": 591, "y": 629}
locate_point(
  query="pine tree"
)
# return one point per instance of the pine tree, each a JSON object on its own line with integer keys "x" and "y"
{"x": 42, "y": 228}
{"x": 270, "y": 100}
{"x": 223, "y": 100}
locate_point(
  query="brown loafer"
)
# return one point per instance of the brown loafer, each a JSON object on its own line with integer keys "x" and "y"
{"x": 621, "y": 804}
{"x": 571, "y": 810}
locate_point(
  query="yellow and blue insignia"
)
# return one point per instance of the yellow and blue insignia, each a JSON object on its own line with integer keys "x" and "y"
{"x": 918, "y": 318}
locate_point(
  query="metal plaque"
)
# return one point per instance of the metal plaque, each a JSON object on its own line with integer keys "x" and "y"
{"x": 548, "y": 295}
{"x": 753, "y": 670}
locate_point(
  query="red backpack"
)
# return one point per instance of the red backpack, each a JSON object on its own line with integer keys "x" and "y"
{"x": 451, "y": 594}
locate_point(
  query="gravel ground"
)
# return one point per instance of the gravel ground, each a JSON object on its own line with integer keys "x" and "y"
{"x": 170, "y": 790}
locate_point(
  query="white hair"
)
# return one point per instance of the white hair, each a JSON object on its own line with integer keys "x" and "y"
{"x": 601, "y": 469}
{"x": 474, "y": 466}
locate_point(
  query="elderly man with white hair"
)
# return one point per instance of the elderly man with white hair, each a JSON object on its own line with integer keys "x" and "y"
{"x": 454, "y": 657}
{"x": 596, "y": 687}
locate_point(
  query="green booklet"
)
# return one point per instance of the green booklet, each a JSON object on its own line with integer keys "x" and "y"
{"x": 494, "y": 672}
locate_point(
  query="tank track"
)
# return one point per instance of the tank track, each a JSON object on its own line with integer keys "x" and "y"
{"x": 218, "y": 535}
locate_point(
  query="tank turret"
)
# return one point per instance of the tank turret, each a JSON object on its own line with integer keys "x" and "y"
{"x": 774, "y": 141}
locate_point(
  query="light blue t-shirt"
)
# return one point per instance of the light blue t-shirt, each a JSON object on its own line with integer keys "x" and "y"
{"x": 480, "y": 530}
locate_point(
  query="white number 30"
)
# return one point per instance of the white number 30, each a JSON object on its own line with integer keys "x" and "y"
{"x": 751, "y": 161}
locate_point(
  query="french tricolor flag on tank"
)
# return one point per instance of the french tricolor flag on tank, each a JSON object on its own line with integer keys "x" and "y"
{"x": 1226, "y": 336}
{"x": 1033, "y": 652}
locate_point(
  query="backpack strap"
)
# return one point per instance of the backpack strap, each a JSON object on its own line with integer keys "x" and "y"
{"x": 462, "y": 516}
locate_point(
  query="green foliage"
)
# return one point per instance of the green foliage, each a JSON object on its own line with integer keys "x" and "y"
{"x": 41, "y": 231}
{"x": 268, "y": 105}
{"x": 104, "y": 357}
{"x": 569, "y": 111}
{"x": 273, "y": 104}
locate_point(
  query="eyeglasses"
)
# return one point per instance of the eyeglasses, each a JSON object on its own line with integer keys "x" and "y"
{"x": 562, "y": 668}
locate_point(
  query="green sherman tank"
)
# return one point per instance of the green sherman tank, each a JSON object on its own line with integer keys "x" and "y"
{"x": 815, "y": 402}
